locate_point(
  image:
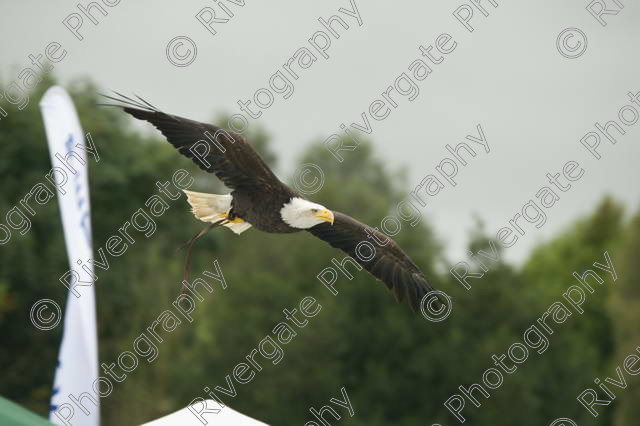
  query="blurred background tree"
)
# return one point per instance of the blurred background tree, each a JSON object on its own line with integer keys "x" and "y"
{"x": 626, "y": 316}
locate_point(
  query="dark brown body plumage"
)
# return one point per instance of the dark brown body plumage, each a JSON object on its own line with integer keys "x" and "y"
{"x": 263, "y": 213}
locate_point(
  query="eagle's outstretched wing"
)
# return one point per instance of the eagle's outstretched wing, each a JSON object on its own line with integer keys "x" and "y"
{"x": 226, "y": 154}
{"x": 389, "y": 264}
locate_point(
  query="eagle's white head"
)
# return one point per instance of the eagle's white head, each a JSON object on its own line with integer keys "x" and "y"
{"x": 303, "y": 214}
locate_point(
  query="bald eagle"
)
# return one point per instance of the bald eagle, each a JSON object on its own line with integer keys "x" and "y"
{"x": 259, "y": 199}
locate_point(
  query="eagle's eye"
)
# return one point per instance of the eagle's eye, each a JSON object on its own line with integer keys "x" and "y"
{"x": 314, "y": 211}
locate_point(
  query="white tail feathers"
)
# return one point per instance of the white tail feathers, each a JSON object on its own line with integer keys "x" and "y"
{"x": 214, "y": 208}
{"x": 209, "y": 207}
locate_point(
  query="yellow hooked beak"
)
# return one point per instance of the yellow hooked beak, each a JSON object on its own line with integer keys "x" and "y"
{"x": 326, "y": 215}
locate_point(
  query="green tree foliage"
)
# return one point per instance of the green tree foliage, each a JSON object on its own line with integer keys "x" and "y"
{"x": 398, "y": 368}
{"x": 580, "y": 348}
{"x": 626, "y": 317}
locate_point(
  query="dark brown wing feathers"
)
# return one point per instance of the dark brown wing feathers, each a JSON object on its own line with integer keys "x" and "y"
{"x": 389, "y": 264}
{"x": 224, "y": 153}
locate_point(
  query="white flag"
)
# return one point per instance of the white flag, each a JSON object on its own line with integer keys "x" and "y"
{"x": 77, "y": 368}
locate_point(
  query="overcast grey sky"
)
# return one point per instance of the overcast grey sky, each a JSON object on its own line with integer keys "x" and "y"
{"x": 534, "y": 105}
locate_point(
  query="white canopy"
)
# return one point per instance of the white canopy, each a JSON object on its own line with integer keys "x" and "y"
{"x": 226, "y": 416}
